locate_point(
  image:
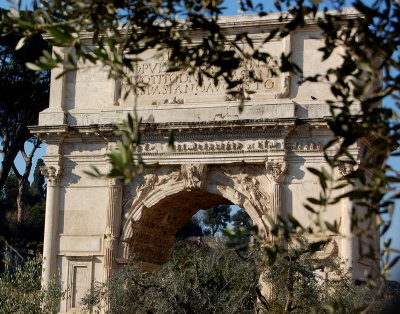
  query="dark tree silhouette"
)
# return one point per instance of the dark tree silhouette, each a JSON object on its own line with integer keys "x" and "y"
{"x": 217, "y": 218}
{"x": 191, "y": 229}
{"x": 241, "y": 219}
{"x": 23, "y": 94}
{"x": 38, "y": 189}
{"x": 29, "y": 232}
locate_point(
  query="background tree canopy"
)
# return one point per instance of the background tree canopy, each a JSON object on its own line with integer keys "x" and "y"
{"x": 26, "y": 234}
{"x": 23, "y": 94}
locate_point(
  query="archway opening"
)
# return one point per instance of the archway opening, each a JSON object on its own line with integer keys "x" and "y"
{"x": 155, "y": 232}
{"x": 210, "y": 223}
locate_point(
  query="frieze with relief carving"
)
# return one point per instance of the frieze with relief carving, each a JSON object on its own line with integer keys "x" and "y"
{"x": 304, "y": 146}
{"x": 226, "y": 147}
{"x": 212, "y": 147}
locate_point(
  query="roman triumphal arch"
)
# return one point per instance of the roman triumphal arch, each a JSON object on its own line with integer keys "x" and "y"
{"x": 256, "y": 159}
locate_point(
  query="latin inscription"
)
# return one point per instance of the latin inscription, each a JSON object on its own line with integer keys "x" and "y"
{"x": 155, "y": 80}
{"x": 157, "y": 86}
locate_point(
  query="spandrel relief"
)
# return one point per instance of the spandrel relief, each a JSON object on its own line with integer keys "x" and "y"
{"x": 150, "y": 181}
{"x": 249, "y": 184}
{"x": 194, "y": 175}
{"x": 136, "y": 193}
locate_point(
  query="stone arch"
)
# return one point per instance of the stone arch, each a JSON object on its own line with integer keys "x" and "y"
{"x": 162, "y": 205}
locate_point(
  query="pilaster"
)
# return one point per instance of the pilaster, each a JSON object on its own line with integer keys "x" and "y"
{"x": 276, "y": 172}
{"x": 346, "y": 218}
{"x": 113, "y": 226}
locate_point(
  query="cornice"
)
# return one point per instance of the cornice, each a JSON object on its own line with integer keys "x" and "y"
{"x": 150, "y": 129}
{"x": 270, "y": 20}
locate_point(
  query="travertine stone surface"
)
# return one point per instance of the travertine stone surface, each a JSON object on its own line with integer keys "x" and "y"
{"x": 256, "y": 160}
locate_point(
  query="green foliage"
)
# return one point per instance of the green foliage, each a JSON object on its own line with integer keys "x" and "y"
{"x": 125, "y": 165}
{"x": 28, "y": 233}
{"x": 305, "y": 282}
{"x": 8, "y": 205}
{"x": 207, "y": 281}
{"x": 218, "y": 280}
{"x": 241, "y": 219}
{"x": 34, "y": 225}
{"x": 20, "y": 291}
{"x": 8, "y": 194}
{"x": 216, "y": 218}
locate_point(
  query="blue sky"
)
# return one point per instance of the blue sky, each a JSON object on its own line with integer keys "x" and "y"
{"x": 232, "y": 8}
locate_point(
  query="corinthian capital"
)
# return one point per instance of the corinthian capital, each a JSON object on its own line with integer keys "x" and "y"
{"x": 276, "y": 170}
{"x": 346, "y": 167}
{"x": 51, "y": 173}
{"x": 114, "y": 182}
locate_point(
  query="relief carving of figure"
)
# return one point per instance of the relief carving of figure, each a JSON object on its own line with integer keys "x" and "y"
{"x": 271, "y": 145}
{"x": 251, "y": 186}
{"x": 248, "y": 186}
{"x": 304, "y": 146}
{"x": 150, "y": 181}
{"x": 194, "y": 175}
{"x": 171, "y": 177}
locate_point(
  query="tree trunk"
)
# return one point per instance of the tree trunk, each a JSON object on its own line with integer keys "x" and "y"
{"x": 23, "y": 181}
{"x": 13, "y": 149}
{"x": 21, "y": 200}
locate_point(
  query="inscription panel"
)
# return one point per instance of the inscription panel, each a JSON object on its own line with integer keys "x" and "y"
{"x": 159, "y": 87}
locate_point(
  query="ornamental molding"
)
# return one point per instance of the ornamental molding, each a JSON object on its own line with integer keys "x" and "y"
{"x": 220, "y": 128}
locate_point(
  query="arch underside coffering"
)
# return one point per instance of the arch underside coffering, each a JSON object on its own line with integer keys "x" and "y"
{"x": 163, "y": 204}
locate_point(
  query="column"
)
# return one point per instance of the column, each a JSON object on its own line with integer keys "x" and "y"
{"x": 113, "y": 225}
{"x": 51, "y": 223}
{"x": 276, "y": 171}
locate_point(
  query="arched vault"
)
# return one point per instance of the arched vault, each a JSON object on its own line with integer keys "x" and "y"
{"x": 164, "y": 203}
